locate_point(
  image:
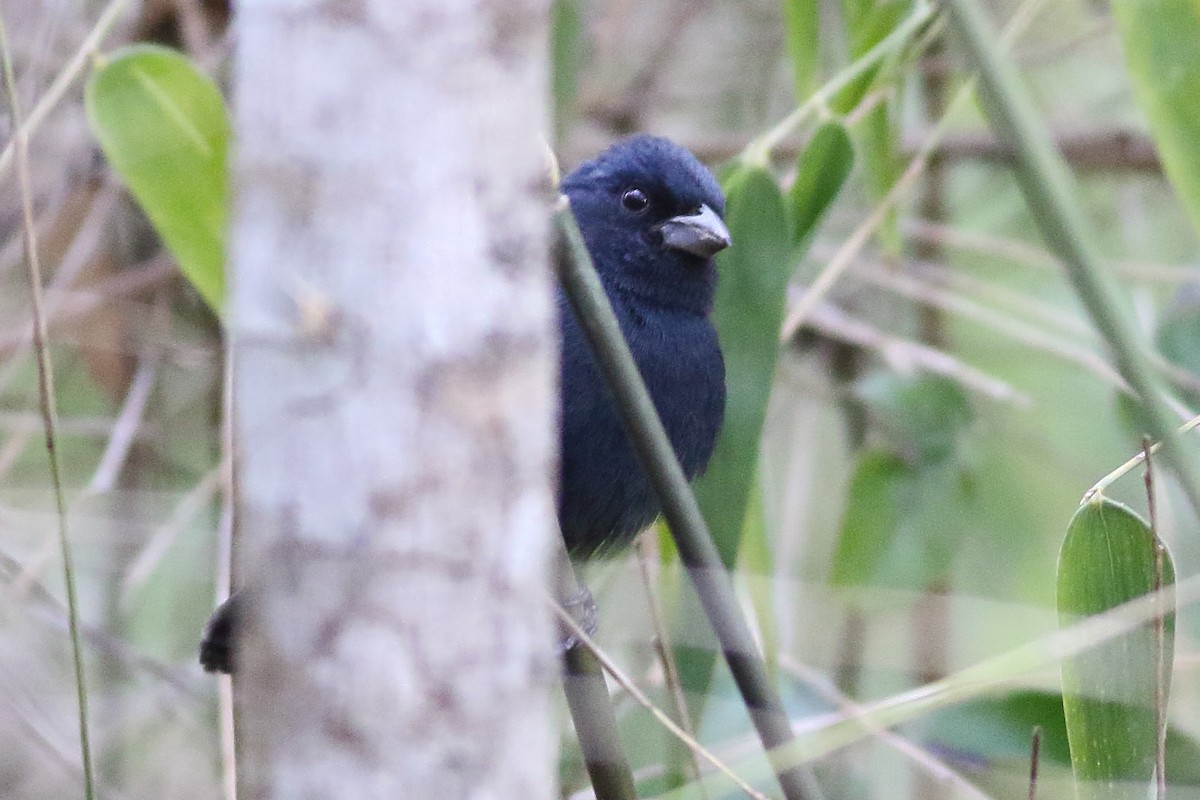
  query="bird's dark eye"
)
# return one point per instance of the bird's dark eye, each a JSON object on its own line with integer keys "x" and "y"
{"x": 635, "y": 200}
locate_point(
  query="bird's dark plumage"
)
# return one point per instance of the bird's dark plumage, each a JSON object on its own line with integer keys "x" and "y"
{"x": 650, "y": 214}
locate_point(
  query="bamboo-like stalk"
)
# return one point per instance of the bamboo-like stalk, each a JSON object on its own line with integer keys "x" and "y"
{"x": 682, "y": 512}
{"x": 1049, "y": 191}
{"x": 589, "y": 703}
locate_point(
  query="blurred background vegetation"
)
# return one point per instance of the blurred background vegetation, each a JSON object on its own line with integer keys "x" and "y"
{"x": 933, "y": 420}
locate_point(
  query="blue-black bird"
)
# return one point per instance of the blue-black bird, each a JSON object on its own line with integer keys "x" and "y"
{"x": 651, "y": 216}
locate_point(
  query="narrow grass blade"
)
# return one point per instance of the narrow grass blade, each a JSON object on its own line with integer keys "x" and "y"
{"x": 871, "y": 520}
{"x": 1162, "y": 49}
{"x": 824, "y": 166}
{"x": 802, "y": 24}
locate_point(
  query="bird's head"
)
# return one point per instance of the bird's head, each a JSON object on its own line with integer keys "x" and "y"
{"x": 651, "y": 215}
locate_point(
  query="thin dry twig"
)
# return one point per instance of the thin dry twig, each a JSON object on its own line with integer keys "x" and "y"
{"x": 1035, "y": 752}
{"x": 193, "y": 25}
{"x": 81, "y": 302}
{"x": 1048, "y": 315}
{"x": 121, "y": 437}
{"x": 663, "y": 718}
{"x": 158, "y": 543}
{"x": 87, "y": 239}
{"x": 1023, "y": 332}
{"x": 46, "y": 605}
{"x": 1015, "y": 329}
{"x": 129, "y": 421}
{"x": 1160, "y": 633}
{"x": 1028, "y": 254}
{"x": 62, "y": 82}
{"x": 662, "y": 647}
{"x": 224, "y": 567}
{"x": 906, "y": 356}
{"x": 50, "y": 744}
{"x": 1101, "y": 485}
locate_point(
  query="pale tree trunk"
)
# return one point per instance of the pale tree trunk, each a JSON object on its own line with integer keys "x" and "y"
{"x": 394, "y": 378}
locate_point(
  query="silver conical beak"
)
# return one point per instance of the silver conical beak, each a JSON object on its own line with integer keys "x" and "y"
{"x": 702, "y": 234}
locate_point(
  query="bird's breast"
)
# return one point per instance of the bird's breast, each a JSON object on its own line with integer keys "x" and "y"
{"x": 680, "y": 360}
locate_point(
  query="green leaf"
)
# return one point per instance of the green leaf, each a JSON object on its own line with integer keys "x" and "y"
{"x": 822, "y": 170}
{"x": 878, "y": 141}
{"x": 758, "y": 558}
{"x": 749, "y": 308}
{"x": 872, "y": 517}
{"x": 1162, "y": 50}
{"x": 1109, "y": 692}
{"x": 802, "y": 20}
{"x": 748, "y": 312}
{"x": 938, "y": 515}
{"x": 163, "y": 126}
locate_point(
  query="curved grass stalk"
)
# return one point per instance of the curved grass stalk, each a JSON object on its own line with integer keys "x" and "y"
{"x": 48, "y": 404}
{"x": 1109, "y": 479}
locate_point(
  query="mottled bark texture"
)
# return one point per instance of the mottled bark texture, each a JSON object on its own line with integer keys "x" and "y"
{"x": 394, "y": 394}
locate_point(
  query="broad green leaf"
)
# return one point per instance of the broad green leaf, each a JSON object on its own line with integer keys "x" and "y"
{"x": 751, "y": 291}
{"x": 1109, "y": 692}
{"x": 802, "y": 20}
{"x": 822, "y": 170}
{"x": 748, "y": 311}
{"x": 163, "y": 126}
{"x": 872, "y": 517}
{"x": 1161, "y": 39}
